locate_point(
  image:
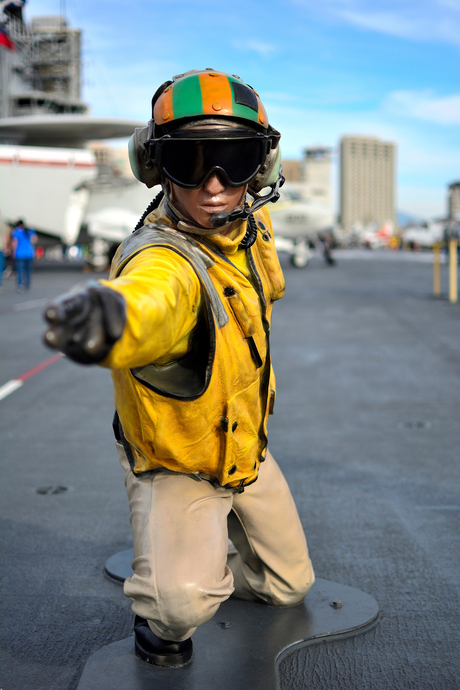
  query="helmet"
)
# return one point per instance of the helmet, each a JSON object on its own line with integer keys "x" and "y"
{"x": 172, "y": 137}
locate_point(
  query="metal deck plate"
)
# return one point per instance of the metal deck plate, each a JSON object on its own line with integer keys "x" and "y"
{"x": 241, "y": 647}
{"x": 118, "y": 566}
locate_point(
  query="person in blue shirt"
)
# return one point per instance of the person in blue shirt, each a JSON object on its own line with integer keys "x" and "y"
{"x": 22, "y": 243}
{"x": 4, "y": 235}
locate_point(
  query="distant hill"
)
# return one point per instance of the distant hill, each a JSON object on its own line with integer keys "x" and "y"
{"x": 407, "y": 218}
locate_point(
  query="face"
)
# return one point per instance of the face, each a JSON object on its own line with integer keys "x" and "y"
{"x": 214, "y": 196}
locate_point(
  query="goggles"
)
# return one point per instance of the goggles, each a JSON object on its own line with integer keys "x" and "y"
{"x": 188, "y": 158}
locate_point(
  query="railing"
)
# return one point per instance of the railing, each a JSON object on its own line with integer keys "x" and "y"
{"x": 453, "y": 270}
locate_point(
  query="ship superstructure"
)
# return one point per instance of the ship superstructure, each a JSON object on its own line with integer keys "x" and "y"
{"x": 49, "y": 175}
{"x": 42, "y": 74}
{"x": 68, "y": 190}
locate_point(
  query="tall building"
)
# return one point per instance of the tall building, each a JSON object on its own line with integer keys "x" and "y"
{"x": 317, "y": 174}
{"x": 454, "y": 201}
{"x": 43, "y": 75}
{"x": 367, "y": 180}
{"x": 311, "y": 175}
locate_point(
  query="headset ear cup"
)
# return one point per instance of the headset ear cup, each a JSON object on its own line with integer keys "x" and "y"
{"x": 141, "y": 165}
{"x": 269, "y": 172}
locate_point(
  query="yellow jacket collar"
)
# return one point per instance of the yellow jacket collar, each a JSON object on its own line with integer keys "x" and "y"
{"x": 228, "y": 244}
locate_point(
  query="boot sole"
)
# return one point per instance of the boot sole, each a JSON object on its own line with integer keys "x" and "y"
{"x": 164, "y": 660}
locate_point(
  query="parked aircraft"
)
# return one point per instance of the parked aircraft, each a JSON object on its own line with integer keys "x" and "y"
{"x": 48, "y": 178}
{"x": 301, "y": 227}
{"x": 423, "y": 235}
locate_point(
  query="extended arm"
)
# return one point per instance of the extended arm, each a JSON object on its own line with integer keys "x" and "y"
{"x": 145, "y": 315}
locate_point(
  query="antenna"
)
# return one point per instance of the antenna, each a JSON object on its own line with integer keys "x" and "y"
{"x": 62, "y": 12}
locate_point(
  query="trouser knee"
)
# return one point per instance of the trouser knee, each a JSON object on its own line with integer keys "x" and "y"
{"x": 281, "y": 596}
{"x": 173, "y": 609}
{"x": 292, "y": 591}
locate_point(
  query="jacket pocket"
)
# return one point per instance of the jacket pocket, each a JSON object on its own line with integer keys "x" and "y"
{"x": 241, "y": 427}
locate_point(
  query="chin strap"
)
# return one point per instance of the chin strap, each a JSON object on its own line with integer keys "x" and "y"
{"x": 220, "y": 219}
{"x": 248, "y": 239}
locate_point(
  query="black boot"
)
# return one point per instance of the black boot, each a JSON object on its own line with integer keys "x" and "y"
{"x": 160, "y": 652}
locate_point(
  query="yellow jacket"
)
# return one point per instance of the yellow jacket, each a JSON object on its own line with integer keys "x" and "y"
{"x": 192, "y": 374}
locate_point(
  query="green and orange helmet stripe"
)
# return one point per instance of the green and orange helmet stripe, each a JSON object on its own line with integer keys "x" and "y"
{"x": 209, "y": 93}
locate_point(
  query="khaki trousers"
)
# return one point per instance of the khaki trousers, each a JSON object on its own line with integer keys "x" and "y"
{"x": 182, "y": 572}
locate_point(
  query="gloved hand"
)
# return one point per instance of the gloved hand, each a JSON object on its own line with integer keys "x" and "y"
{"x": 85, "y": 322}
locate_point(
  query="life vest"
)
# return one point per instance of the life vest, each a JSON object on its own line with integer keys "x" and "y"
{"x": 205, "y": 414}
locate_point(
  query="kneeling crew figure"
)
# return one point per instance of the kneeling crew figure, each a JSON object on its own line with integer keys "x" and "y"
{"x": 183, "y": 324}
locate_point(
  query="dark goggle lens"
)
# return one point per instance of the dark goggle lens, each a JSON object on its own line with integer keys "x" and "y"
{"x": 189, "y": 162}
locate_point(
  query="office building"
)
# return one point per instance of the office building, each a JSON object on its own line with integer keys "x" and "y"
{"x": 317, "y": 174}
{"x": 454, "y": 201}
{"x": 311, "y": 175}
{"x": 367, "y": 181}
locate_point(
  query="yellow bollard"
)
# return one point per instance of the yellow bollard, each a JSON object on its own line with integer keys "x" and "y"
{"x": 453, "y": 283}
{"x": 436, "y": 270}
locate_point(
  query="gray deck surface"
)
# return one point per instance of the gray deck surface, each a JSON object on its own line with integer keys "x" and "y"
{"x": 366, "y": 429}
{"x": 257, "y": 636}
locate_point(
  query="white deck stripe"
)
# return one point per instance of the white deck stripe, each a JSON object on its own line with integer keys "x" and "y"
{"x": 10, "y": 387}
{"x": 30, "y": 305}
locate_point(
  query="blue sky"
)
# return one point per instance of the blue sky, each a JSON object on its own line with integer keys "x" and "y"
{"x": 387, "y": 68}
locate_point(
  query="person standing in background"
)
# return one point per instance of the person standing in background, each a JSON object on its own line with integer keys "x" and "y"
{"x": 22, "y": 243}
{"x": 4, "y": 232}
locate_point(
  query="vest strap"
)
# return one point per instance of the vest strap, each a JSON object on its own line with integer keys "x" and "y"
{"x": 158, "y": 236}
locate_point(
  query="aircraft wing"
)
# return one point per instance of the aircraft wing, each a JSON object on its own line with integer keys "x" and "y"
{"x": 71, "y": 131}
{"x": 300, "y": 219}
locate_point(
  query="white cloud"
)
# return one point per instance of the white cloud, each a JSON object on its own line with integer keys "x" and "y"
{"x": 425, "y": 105}
{"x": 392, "y": 23}
{"x": 426, "y": 20}
{"x": 452, "y": 4}
{"x": 264, "y": 50}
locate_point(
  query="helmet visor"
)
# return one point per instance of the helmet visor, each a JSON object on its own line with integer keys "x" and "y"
{"x": 187, "y": 160}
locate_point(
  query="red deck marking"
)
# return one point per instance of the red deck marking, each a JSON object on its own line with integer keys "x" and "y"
{"x": 39, "y": 367}
{"x": 33, "y": 161}
{"x": 13, "y": 385}
{"x": 60, "y": 164}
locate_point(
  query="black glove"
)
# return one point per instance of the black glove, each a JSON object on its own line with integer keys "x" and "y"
{"x": 85, "y": 322}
